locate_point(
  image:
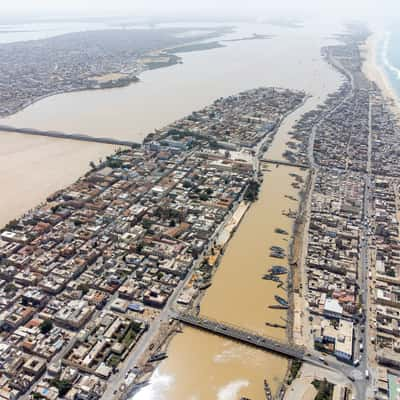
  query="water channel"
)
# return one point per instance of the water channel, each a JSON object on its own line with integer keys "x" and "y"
{"x": 200, "y": 366}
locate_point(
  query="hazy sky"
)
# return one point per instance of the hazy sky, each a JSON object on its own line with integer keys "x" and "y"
{"x": 350, "y": 8}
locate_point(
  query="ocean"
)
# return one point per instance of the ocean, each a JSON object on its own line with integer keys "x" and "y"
{"x": 388, "y": 54}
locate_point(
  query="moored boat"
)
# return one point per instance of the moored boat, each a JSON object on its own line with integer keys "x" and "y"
{"x": 267, "y": 390}
{"x": 277, "y": 254}
{"x": 158, "y": 357}
{"x": 271, "y": 277}
{"x": 278, "y": 270}
{"x": 281, "y": 300}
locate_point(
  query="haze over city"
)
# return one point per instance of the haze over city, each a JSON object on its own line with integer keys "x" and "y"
{"x": 207, "y": 8}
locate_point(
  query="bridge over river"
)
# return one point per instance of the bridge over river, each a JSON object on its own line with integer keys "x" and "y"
{"x": 282, "y": 162}
{"x": 69, "y": 136}
{"x": 242, "y": 335}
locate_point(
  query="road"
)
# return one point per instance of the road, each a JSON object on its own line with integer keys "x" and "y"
{"x": 354, "y": 374}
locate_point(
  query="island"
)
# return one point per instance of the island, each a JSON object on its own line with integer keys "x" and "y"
{"x": 33, "y": 70}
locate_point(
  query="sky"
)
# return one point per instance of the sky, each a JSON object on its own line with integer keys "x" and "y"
{"x": 291, "y": 8}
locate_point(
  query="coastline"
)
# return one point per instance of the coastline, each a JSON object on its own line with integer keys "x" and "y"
{"x": 375, "y": 72}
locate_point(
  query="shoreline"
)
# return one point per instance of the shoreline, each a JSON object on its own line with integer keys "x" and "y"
{"x": 375, "y": 72}
{"x": 230, "y": 227}
{"x": 130, "y": 79}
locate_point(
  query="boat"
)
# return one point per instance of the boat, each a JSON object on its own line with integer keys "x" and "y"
{"x": 277, "y": 254}
{"x": 271, "y": 277}
{"x": 281, "y": 300}
{"x": 267, "y": 390}
{"x": 278, "y": 307}
{"x": 278, "y": 270}
{"x": 205, "y": 285}
{"x": 281, "y": 231}
{"x": 158, "y": 357}
{"x": 277, "y": 248}
{"x": 274, "y": 325}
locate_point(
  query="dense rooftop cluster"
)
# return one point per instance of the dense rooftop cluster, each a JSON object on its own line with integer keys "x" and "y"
{"x": 385, "y": 137}
{"x": 84, "y": 274}
{"x": 342, "y": 140}
{"x": 35, "y": 69}
{"x": 386, "y": 274}
{"x": 260, "y": 111}
{"x": 333, "y": 255}
{"x": 353, "y": 236}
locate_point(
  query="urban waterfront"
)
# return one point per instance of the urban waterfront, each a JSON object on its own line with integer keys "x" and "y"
{"x": 244, "y": 244}
{"x": 134, "y": 111}
{"x": 223, "y": 368}
{"x": 220, "y": 368}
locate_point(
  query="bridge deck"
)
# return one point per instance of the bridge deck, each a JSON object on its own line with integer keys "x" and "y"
{"x": 283, "y": 162}
{"x": 248, "y": 337}
{"x": 69, "y": 136}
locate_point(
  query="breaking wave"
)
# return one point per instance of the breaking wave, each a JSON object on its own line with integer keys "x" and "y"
{"x": 385, "y": 56}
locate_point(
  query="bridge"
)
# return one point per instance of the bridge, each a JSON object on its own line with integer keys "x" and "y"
{"x": 282, "y": 162}
{"x": 241, "y": 335}
{"x": 69, "y": 136}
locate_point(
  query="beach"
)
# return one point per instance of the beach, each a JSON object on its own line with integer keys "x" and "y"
{"x": 375, "y": 72}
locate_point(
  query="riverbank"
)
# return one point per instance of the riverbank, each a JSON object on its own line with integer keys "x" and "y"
{"x": 237, "y": 276}
{"x": 27, "y": 176}
{"x": 240, "y": 296}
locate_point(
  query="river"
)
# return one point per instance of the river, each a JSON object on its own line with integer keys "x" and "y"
{"x": 200, "y": 366}
{"x": 290, "y": 59}
{"x": 217, "y": 368}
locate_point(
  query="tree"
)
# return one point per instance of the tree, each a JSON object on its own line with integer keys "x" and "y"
{"x": 62, "y": 386}
{"x": 146, "y": 223}
{"x": 251, "y": 193}
{"x": 84, "y": 287}
{"x": 203, "y": 196}
{"x": 46, "y": 326}
{"x": 10, "y": 287}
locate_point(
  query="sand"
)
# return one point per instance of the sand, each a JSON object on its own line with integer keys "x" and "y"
{"x": 375, "y": 72}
